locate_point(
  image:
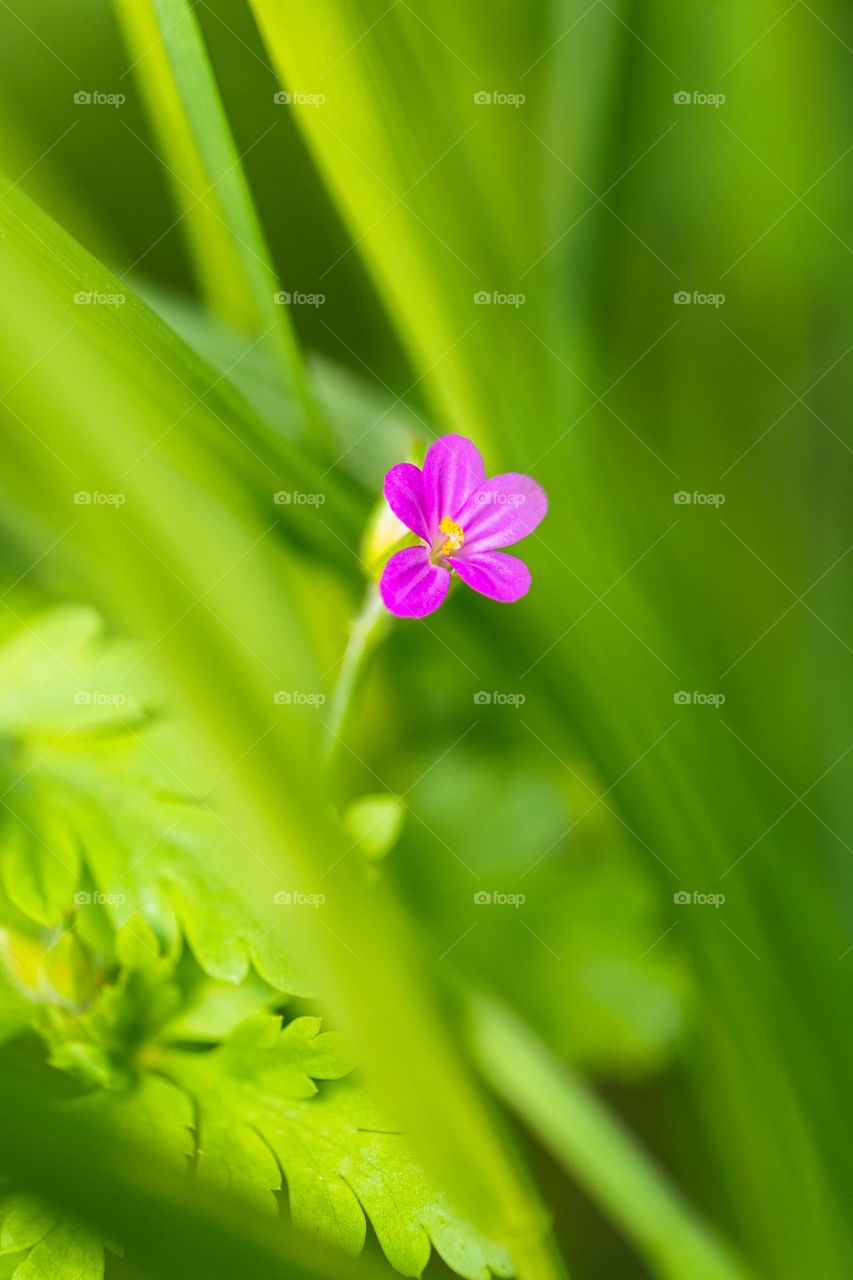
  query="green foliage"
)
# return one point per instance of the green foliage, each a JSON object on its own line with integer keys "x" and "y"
{"x": 153, "y": 1002}
{"x": 54, "y": 1248}
{"x": 250, "y": 1114}
{"x": 101, "y": 974}
{"x": 117, "y": 816}
{"x": 259, "y": 1109}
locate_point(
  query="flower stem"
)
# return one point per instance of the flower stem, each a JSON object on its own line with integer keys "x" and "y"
{"x": 367, "y": 629}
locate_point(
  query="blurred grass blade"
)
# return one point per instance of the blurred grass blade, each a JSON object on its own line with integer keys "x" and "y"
{"x": 175, "y": 1228}
{"x": 187, "y": 560}
{"x": 596, "y": 1150}
{"x": 226, "y": 240}
{"x": 156, "y": 362}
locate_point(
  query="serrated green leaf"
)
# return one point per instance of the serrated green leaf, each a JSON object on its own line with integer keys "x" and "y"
{"x": 259, "y": 1108}
{"x": 154, "y": 1115}
{"x": 160, "y": 861}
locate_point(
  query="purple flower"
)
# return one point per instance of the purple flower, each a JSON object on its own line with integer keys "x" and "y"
{"x": 462, "y": 518}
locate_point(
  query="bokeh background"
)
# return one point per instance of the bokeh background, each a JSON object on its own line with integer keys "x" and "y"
{"x": 668, "y": 712}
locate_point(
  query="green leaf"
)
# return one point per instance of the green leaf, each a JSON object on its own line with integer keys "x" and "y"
{"x": 228, "y": 245}
{"x": 160, "y": 861}
{"x": 136, "y": 945}
{"x": 68, "y": 1252}
{"x": 375, "y": 823}
{"x": 259, "y": 1108}
{"x": 56, "y": 1247}
{"x": 40, "y": 868}
{"x": 174, "y": 1228}
{"x": 56, "y": 674}
{"x": 25, "y": 1222}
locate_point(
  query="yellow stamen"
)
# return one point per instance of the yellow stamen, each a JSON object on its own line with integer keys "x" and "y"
{"x": 456, "y": 536}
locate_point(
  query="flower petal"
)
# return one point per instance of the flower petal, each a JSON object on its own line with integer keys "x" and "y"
{"x": 404, "y": 492}
{"x": 411, "y": 586}
{"x": 502, "y": 511}
{"x": 453, "y": 469}
{"x": 494, "y": 574}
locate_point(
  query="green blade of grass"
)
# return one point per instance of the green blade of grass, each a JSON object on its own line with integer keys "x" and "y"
{"x": 204, "y": 401}
{"x": 595, "y": 1149}
{"x": 226, "y": 240}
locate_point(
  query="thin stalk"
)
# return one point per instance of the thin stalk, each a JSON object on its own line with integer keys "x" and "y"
{"x": 368, "y": 628}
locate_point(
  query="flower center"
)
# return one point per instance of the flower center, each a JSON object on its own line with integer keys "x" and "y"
{"x": 453, "y": 541}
